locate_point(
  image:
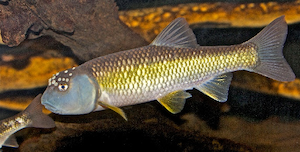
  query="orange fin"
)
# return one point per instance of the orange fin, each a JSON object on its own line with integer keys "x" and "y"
{"x": 174, "y": 101}
{"x": 114, "y": 108}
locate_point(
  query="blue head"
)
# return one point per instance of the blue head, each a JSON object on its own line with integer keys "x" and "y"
{"x": 70, "y": 93}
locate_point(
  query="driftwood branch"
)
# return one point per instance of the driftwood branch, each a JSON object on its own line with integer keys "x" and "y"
{"x": 90, "y": 28}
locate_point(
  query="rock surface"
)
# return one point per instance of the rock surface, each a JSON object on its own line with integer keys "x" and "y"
{"x": 90, "y": 28}
{"x": 151, "y": 130}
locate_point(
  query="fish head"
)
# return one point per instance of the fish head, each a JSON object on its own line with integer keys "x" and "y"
{"x": 70, "y": 93}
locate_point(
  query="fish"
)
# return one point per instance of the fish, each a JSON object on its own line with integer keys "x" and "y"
{"x": 164, "y": 70}
{"x": 32, "y": 116}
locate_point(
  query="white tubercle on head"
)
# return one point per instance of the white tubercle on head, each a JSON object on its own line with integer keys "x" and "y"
{"x": 71, "y": 92}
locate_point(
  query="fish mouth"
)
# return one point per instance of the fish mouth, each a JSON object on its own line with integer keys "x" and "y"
{"x": 51, "y": 108}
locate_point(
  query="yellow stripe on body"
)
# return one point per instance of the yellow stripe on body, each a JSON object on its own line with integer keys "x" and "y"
{"x": 144, "y": 73}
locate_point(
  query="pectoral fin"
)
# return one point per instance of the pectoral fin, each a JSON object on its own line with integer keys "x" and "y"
{"x": 114, "y": 108}
{"x": 174, "y": 101}
{"x": 217, "y": 88}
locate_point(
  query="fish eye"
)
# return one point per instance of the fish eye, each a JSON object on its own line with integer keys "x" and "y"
{"x": 62, "y": 87}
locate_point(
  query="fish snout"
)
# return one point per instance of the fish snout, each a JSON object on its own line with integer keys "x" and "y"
{"x": 48, "y": 100}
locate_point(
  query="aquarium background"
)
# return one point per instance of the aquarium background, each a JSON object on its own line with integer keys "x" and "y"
{"x": 260, "y": 115}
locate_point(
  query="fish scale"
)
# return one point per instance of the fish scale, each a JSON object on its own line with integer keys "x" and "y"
{"x": 163, "y": 70}
{"x": 19, "y": 121}
{"x": 142, "y": 74}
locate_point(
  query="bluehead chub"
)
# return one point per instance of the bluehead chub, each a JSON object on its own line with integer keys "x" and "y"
{"x": 163, "y": 70}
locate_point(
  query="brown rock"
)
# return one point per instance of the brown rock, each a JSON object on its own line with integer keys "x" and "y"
{"x": 90, "y": 28}
{"x": 147, "y": 128}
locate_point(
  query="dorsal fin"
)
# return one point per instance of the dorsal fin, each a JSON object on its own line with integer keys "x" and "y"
{"x": 176, "y": 34}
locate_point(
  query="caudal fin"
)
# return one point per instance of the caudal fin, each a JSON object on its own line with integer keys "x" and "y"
{"x": 270, "y": 43}
{"x": 39, "y": 119}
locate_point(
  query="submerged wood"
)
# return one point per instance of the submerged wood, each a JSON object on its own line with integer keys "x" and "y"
{"x": 90, "y": 28}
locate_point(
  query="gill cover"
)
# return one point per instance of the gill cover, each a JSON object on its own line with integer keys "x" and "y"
{"x": 79, "y": 97}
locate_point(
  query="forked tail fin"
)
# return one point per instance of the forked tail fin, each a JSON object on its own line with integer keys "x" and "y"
{"x": 270, "y": 43}
{"x": 39, "y": 119}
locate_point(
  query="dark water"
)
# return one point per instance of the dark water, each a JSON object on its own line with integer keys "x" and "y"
{"x": 133, "y": 4}
{"x": 256, "y": 106}
{"x": 5, "y": 113}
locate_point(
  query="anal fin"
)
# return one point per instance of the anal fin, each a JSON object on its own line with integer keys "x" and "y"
{"x": 114, "y": 108}
{"x": 174, "y": 101}
{"x": 217, "y": 88}
{"x": 11, "y": 142}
